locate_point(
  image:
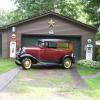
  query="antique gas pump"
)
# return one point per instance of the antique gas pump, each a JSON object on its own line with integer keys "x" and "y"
{"x": 89, "y": 50}
{"x": 13, "y": 44}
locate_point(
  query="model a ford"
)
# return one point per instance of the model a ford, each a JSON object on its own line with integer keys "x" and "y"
{"x": 47, "y": 51}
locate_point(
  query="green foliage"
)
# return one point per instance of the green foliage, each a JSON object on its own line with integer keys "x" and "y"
{"x": 84, "y": 70}
{"x": 71, "y": 8}
{"x": 82, "y": 10}
{"x": 89, "y": 63}
{"x": 98, "y": 53}
{"x": 8, "y": 17}
{"x": 98, "y": 57}
{"x": 94, "y": 85}
{"x": 91, "y": 7}
{"x": 98, "y": 36}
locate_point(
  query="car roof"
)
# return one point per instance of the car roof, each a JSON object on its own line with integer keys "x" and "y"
{"x": 52, "y": 40}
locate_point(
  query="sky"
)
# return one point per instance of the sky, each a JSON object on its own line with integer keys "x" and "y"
{"x": 7, "y": 5}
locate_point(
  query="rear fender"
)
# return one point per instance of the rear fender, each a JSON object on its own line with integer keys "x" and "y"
{"x": 67, "y": 56}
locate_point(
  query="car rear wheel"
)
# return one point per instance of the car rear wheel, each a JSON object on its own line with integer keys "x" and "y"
{"x": 67, "y": 63}
{"x": 26, "y": 63}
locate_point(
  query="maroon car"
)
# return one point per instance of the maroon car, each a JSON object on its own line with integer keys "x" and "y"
{"x": 47, "y": 51}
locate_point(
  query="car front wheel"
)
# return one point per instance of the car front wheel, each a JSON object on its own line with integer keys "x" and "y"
{"x": 26, "y": 63}
{"x": 67, "y": 63}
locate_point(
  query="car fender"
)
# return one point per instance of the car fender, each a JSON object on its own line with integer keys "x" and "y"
{"x": 30, "y": 56}
{"x": 67, "y": 56}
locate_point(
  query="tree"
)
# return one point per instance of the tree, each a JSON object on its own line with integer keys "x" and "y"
{"x": 8, "y": 17}
{"x": 82, "y": 10}
{"x": 34, "y": 7}
{"x": 91, "y": 7}
{"x": 71, "y": 8}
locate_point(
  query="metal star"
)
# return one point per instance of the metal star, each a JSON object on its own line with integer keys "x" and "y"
{"x": 51, "y": 23}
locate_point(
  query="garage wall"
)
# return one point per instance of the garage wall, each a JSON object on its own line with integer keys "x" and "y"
{"x": 61, "y": 27}
{"x": 5, "y": 44}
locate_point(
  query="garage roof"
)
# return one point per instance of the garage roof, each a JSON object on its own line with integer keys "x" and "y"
{"x": 49, "y": 14}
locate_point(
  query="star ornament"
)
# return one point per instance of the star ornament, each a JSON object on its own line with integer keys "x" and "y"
{"x": 51, "y": 23}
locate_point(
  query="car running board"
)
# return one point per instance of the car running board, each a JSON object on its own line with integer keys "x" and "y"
{"x": 46, "y": 63}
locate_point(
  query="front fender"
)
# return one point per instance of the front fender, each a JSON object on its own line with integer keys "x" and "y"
{"x": 29, "y": 56}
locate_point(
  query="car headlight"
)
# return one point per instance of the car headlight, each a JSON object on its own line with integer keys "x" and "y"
{"x": 72, "y": 55}
{"x": 22, "y": 51}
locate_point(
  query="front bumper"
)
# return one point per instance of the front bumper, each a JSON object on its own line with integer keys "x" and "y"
{"x": 17, "y": 61}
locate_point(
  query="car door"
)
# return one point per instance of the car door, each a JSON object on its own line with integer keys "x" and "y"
{"x": 50, "y": 53}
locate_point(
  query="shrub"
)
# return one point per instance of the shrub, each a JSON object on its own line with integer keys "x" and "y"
{"x": 98, "y": 57}
{"x": 98, "y": 36}
{"x": 89, "y": 63}
{"x": 98, "y": 53}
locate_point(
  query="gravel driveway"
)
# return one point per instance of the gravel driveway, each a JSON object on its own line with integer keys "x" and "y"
{"x": 44, "y": 84}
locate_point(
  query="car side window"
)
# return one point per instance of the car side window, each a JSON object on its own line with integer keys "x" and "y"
{"x": 52, "y": 45}
{"x": 41, "y": 44}
{"x": 63, "y": 45}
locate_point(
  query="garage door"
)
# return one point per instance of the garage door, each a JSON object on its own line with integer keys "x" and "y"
{"x": 0, "y": 45}
{"x": 31, "y": 40}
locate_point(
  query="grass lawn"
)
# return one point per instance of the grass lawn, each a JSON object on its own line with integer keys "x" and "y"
{"x": 93, "y": 83}
{"x": 6, "y": 65}
{"x": 87, "y": 70}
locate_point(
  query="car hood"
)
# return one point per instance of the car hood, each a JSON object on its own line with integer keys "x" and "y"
{"x": 31, "y": 48}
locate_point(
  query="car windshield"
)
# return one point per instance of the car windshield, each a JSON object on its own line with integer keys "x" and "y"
{"x": 41, "y": 44}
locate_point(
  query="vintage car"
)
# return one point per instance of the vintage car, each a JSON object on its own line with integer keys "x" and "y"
{"x": 46, "y": 51}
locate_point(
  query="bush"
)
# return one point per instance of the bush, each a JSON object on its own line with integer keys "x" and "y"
{"x": 98, "y": 57}
{"x": 89, "y": 63}
{"x": 98, "y": 36}
{"x": 98, "y": 53}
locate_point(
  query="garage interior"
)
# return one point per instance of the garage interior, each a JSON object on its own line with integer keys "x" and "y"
{"x": 31, "y": 40}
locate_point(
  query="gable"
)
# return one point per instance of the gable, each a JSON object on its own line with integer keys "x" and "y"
{"x": 50, "y": 15}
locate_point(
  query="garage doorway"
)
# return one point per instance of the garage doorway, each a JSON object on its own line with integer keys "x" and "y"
{"x": 31, "y": 40}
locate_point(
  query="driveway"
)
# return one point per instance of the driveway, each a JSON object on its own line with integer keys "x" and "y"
{"x": 45, "y": 84}
{"x": 7, "y": 77}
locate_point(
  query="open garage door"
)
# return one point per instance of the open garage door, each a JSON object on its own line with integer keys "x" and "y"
{"x": 0, "y": 45}
{"x": 31, "y": 40}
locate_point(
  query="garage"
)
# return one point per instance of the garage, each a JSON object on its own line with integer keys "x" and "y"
{"x": 49, "y": 25}
{"x": 31, "y": 40}
{"x": 0, "y": 45}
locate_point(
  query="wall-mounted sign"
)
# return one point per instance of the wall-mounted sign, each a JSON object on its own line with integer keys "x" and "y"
{"x": 13, "y": 36}
{"x": 12, "y": 49}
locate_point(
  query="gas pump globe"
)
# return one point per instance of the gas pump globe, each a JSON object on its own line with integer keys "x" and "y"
{"x": 89, "y": 50}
